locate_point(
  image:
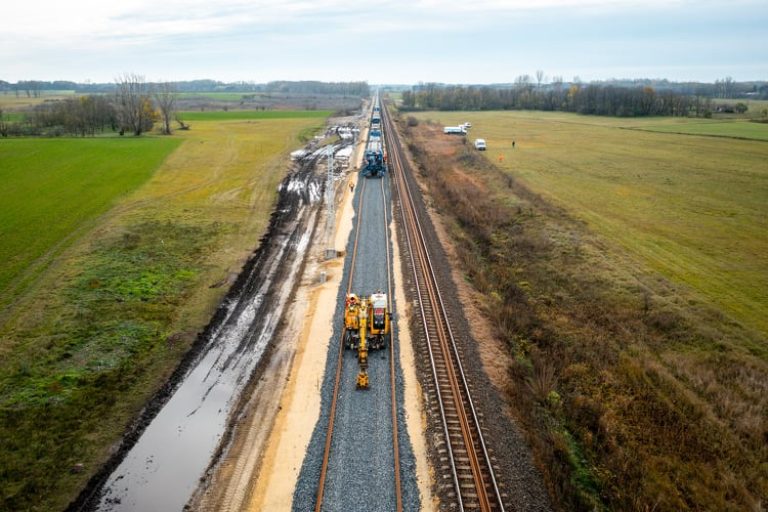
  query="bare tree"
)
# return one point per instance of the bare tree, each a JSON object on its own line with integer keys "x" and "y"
{"x": 523, "y": 81}
{"x": 556, "y": 94}
{"x": 725, "y": 87}
{"x": 182, "y": 124}
{"x": 539, "y": 77}
{"x": 3, "y": 125}
{"x": 165, "y": 98}
{"x": 133, "y": 104}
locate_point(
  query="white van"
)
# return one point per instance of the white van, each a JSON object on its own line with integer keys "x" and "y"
{"x": 480, "y": 144}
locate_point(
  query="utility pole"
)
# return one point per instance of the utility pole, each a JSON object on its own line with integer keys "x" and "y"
{"x": 330, "y": 208}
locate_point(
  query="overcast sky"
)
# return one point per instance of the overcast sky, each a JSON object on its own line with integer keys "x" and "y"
{"x": 398, "y": 41}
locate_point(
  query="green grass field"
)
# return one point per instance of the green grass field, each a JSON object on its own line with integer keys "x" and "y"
{"x": 693, "y": 208}
{"x": 755, "y": 106}
{"x": 242, "y": 115}
{"x": 221, "y": 96}
{"x": 733, "y": 128}
{"x": 100, "y": 330}
{"x": 610, "y": 265}
{"x": 54, "y": 187}
{"x": 739, "y": 129}
{"x": 13, "y": 117}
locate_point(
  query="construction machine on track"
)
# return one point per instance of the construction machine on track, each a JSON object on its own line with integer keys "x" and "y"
{"x": 367, "y": 327}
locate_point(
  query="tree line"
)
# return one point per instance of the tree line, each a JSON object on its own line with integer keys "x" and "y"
{"x": 35, "y": 88}
{"x": 134, "y": 107}
{"x": 360, "y": 89}
{"x": 594, "y": 99}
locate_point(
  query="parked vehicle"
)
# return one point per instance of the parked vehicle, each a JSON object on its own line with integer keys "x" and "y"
{"x": 480, "y": 144}
{"x": 455, "y": 130}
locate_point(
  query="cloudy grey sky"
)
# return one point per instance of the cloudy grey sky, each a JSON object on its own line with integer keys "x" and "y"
{"x": 387, "y": 41}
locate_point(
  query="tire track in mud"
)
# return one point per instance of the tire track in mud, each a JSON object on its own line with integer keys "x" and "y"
{"x": 169, "y": 447}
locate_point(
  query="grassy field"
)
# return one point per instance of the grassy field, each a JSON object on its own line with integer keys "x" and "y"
{"x": 636, "y": 390}
{"x": 395, "y": 96}
{"x": 10, "y": 101}
{"x": 13, "y": 117}
{"x": 693, "y": 208}
{"x": 234, "y": 115}
{"x": 53, "y": 188}
{"x": 733, "y": 128}
{"x": 221, "y": 96}
{"x": 739, "y": 129}
{"x": 755, "y": 106}
{"x": 102, "y": 328}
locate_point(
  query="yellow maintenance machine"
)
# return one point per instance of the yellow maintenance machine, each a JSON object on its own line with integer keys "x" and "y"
{"x": 367, "y": 325}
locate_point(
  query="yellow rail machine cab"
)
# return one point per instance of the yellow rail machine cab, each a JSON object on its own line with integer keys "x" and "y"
{"x": 352, "y": 308}
{"x": 378, "y": 320}
{"x": 366, "y": 327}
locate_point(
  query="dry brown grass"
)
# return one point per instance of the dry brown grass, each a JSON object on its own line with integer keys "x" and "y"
{"x": 634, "y": 396}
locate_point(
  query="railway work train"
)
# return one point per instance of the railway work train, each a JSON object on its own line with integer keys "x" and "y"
{"x": 367, "y": 327}
{"x": 375, "y": 158}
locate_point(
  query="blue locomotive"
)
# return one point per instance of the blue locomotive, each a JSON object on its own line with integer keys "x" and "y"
{"x": 375, "y": 159}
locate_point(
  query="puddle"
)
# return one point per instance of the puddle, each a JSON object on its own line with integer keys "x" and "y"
{"x": 161, "y": 471}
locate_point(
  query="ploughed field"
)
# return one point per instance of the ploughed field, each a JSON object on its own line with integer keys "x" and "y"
{"x": 694, "y": 208}
{"x": 140, "y": 239}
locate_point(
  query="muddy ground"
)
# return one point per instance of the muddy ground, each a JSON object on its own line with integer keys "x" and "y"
{"x": 261, "y": 466}
{"x": 258, "y": 457}
{"x": 158, "y": 467}
{"x": 290, "y": 377}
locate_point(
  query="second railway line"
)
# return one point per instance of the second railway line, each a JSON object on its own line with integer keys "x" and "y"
{"x": 469, "y": 465}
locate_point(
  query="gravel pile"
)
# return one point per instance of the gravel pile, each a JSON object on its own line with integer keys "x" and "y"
{"x": 360, "y": 473}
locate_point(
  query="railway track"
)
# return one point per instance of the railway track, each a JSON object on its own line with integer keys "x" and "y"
{"x": 465, "y": 459}
{"x": 340, "y": 362}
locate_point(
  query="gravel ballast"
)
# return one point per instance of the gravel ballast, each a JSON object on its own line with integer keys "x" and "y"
{"x": 521, "y": 483}
{"x": 361, "y": 469}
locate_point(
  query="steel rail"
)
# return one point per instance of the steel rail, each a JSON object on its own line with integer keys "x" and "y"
{"x": 457, "y": 382}
{"x": 392, "y": 363}
{"x": 339, "y": 365}
{"x": 340, "y": 361}
{"x": 393, "y": 155}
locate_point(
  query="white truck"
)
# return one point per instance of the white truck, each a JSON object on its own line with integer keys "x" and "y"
{"x": 480, "y": 144}
{"x": 455, "y": 130}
